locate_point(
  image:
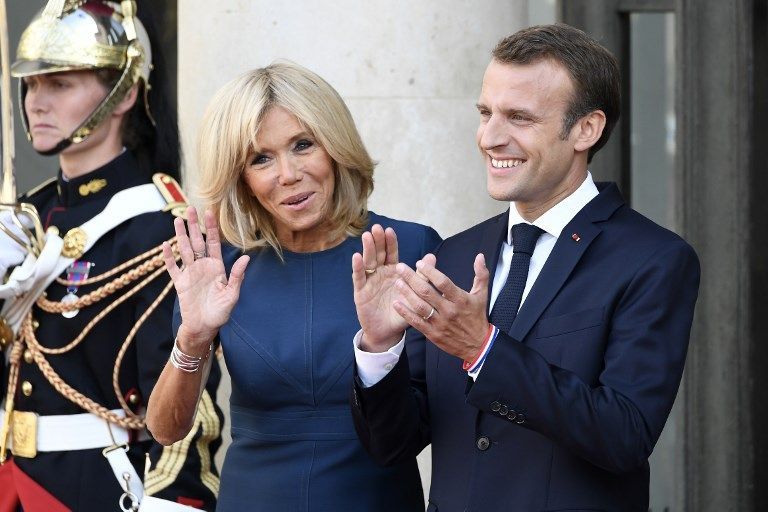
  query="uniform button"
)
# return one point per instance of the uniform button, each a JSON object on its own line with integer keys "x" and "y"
{"x": 520, "y": 419}
{"x": 35, "y": 324}
{"x": 26, "y": 388}
{"x": 6, "y": 334}
{"x": 495, "y": 406}
{"x": 134, "y": 399}
{"x": 511, "y": 415}
{"x": 388, "y": 366}
{"x": 483, "y": 443}
{"x": 28, "y": 356}
{"x": 503, "y": 410}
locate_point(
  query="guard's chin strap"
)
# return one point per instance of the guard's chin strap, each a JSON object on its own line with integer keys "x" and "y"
{"x": 58, "y": 148}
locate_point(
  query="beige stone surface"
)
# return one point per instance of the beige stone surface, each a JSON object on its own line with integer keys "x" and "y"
{"x": 429, "y": 169}
{"x": 410, "y": 71}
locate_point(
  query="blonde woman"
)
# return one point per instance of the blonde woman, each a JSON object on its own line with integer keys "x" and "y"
{"x": 286, "y": 178}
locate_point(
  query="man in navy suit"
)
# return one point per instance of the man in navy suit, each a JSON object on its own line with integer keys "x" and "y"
{"x": 556, "y": 332}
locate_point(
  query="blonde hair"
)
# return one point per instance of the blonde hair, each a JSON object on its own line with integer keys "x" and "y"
{"x": 228, "y": 135}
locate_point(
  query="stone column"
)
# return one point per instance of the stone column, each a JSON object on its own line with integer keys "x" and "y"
{"x": 409, "y": 71}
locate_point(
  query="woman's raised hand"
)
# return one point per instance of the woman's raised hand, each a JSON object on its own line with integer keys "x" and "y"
{"x": 206, "y": 295}
{"x": 374, "y": 280}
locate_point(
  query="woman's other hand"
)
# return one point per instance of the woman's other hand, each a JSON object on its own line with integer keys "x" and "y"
{"x": 206, "y": 295}
{"x": 374, "y": 279}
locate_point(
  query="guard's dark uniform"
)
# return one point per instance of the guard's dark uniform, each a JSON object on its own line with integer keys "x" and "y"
{"x": 82, "y": 479}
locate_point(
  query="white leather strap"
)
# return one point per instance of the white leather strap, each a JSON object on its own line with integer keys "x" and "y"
{"x": 152, "y": 504}
{"x": 124, "y": 471}
{"x": 86, "y": 431}
{"x": 124, "y": 205}
{"x": 130, "y": 482}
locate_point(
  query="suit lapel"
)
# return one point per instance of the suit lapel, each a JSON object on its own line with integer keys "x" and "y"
{"x": 564, "y": 257}
{"x": 561, "y": 262}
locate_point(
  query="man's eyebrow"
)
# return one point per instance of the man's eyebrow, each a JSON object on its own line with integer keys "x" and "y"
{"x": 521, "y": 112}
{"x": 512, "y": 111}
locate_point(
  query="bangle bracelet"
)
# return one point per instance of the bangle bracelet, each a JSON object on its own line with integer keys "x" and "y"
{"x": 185, "y": 362}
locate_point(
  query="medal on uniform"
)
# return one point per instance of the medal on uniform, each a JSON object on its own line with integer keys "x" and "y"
{"x": 77, "y": 272}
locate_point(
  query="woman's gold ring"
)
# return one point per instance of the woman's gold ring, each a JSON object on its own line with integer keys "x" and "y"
{"x": 370, "y": 271}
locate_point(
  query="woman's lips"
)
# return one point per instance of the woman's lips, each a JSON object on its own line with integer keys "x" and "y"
{"x": 298, "y": 201}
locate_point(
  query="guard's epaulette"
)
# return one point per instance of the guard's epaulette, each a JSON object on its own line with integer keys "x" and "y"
{"x": 41, "y": 187}
{"x": 171, "y": 191}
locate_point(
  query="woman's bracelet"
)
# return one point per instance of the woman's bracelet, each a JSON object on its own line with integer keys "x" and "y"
{"x": 185, "y": 362}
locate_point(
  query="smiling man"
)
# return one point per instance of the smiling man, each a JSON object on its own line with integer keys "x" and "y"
{"x": 556, "y": 332}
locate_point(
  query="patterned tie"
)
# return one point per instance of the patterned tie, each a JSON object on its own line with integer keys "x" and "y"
{"x": 524, "y": 237}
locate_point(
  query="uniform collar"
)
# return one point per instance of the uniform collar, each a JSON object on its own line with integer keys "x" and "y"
{"x": 119, "y": 174}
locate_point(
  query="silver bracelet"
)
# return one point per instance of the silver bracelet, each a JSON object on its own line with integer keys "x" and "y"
{"x": 185, "y": 362}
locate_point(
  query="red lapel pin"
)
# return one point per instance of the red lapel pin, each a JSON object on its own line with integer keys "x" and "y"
{"x": 575, "y": 237}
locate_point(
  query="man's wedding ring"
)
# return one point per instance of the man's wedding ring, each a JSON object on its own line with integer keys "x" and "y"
{"x": 432, "y": 312}
{"x": 370, "y": 271}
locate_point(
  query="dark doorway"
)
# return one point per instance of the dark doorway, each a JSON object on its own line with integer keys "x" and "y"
{"x": 712, "y": 456}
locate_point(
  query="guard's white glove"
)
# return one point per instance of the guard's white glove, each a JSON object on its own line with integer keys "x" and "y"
{"x": 29, "y": 280}
{"x": 11, "y": 253}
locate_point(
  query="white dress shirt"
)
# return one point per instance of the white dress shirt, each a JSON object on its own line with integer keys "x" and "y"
{"x": 372, "y": 367}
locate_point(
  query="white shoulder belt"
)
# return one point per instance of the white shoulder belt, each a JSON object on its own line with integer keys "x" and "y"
{"x": 30, "y": 279}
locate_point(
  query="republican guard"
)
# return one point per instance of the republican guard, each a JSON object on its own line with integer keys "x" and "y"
{"x": 86, "y": 302}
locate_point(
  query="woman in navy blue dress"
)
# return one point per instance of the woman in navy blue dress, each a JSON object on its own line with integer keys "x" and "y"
{"x": 286, "y": 179}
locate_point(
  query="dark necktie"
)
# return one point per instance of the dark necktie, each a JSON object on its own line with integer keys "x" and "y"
{"x": 524, "y": 237}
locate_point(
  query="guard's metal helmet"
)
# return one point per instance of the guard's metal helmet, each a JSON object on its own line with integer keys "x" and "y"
{"x": 71, "y": 35}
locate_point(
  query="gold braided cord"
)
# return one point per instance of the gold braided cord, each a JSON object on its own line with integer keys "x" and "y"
{"x": 13, "y": 374}
{"x": 119, "y": 268}
{"x": 16, "y": 351}
{"x": 13, "y": 379}
{"x": 127, "y": 343}
{"x": 104, "y": 312}
{"x": 72, "y": 394}
{"x": 27, "y": 338}
{"x": 104, "y": 291}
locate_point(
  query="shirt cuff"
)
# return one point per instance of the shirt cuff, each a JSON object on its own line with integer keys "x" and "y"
{"x": 374, "y": 366}
{"x": 473, "y": 367}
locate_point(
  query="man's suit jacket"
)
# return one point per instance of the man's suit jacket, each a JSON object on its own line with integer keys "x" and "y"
{"x": 571, "y": 401}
